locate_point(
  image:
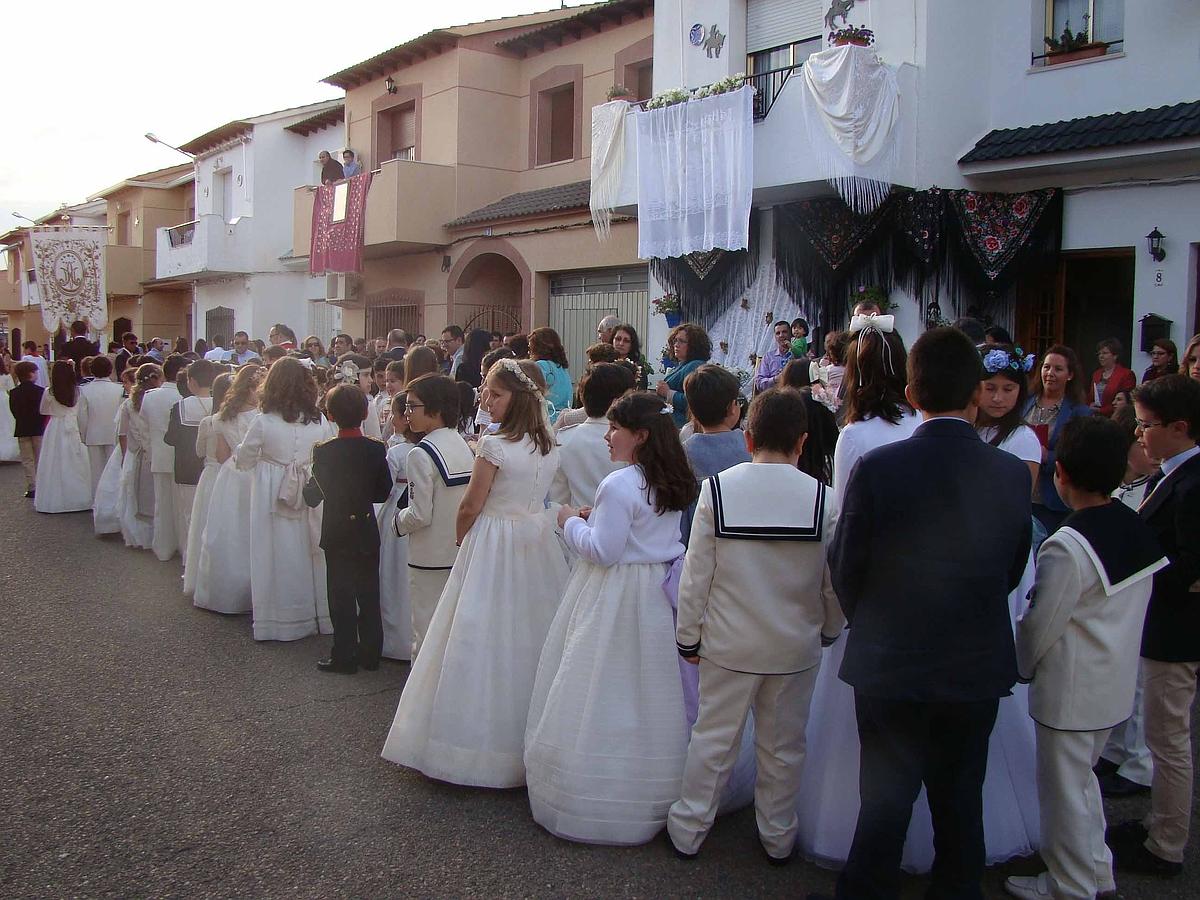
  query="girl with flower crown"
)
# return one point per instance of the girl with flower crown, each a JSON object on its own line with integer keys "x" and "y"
{"x": 607, "y": 736}
{"x": 462, "y": 714}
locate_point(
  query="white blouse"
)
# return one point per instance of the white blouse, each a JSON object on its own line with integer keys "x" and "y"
{"x": 623, "y": 526}
{"x": 1022, "y": 442}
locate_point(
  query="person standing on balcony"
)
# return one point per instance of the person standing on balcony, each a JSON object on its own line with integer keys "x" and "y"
{"x": 331, "y": 169}
{"x": 350, "y": 165}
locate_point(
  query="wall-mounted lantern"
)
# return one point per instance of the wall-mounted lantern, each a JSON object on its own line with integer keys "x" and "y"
{"x": 1154, "y": 241}
{"x": 390, "y": 84}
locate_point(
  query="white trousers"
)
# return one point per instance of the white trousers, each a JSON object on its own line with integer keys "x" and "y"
{"x": 425, "y": 588}
{"x": 1126, "y": 747}
{"x": 165, "y": 542}
{"x": 185, "y": 494}
{"x": 780, "y": 704}
{"x": 98, "y": 455}
{"x": 1073, "y": 848}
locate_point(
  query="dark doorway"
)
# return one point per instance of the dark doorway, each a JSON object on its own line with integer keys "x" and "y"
{"x": 1097, "y": 301}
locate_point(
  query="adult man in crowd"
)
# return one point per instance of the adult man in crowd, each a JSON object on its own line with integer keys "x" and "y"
{"x": 496, "y": 342}
{"x": 282, "y": 335}
{"x": 217, "y": 352}
{"x": 350, "y": 165}
{"x": 605, "y": 328}
{"x": 398, "y": 342}
{"x": 129, "y": 349}
{"x": 770, "y": 367}
{"x": 78, "y": 348}
{"x": 243, "y": 351}
{"x": 331, "y": 169}
{"x": 934, "y": 534}
{"x": 341, "y": 344}
{"x": 452, "y": 344}
{"x": 155, "y": 350}
{"x": 42, "y": 379}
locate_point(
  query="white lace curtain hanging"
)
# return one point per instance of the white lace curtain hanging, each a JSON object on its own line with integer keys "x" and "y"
{"x": 850, "y": 104}
{"x": 695, "y": 175}
{"x": 608, "y": 162}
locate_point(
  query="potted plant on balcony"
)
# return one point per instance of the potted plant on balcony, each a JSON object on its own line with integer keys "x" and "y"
{"x": 668, "y": 306}
{"x": 1071, "y": 46}
{"x": 620, "y": 92}
{"x": 851, "y": 35}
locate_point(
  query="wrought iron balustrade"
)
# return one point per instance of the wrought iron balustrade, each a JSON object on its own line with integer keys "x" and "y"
{"x": 181, "y": 235}
{"x": 767, "y": 86}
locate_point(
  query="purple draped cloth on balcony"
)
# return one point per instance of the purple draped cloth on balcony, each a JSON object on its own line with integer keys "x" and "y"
{"x": 338, "y": 219}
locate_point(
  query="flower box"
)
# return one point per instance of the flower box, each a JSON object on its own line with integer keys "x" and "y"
{"x": 1088, "y": 51}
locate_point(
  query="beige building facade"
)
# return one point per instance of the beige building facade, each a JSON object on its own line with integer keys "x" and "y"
{"x": 479, "y": 137}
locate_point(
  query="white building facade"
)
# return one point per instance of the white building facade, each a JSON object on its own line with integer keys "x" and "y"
{"x": 984, "y": 107}
{"x": 238, "y": 252}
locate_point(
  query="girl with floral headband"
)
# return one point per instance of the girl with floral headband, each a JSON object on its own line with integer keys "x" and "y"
{"x": 1005, "y": 388}
{"x": 609, "y": 775}
{"x": 462, "y": 714}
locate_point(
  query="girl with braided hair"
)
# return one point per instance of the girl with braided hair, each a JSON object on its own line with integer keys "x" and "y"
{"x": 462, "y": 714}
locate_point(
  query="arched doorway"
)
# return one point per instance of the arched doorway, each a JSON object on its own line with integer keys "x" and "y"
{"x": 489, "y": 288}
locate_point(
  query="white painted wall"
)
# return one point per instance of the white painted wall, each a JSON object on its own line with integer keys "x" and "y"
{"x": 239, "y": 161}
{"x": 679, "y": 64}
{"x": 259, "y": 301}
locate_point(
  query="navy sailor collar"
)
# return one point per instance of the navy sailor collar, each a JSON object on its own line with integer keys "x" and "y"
{"x": 1123, "y": 549}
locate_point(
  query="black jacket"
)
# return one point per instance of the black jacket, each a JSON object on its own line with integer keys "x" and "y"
{"x": 349, "y": 475}
{"x": 934, "y": 533}
{"x": 1172, "y": 511}
{"x": 25, "y": 404}
{"x": 189, "y": 466}
{"x": 78, "y": 349}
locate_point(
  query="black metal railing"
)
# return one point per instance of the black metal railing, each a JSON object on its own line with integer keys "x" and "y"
{"x": 181, "y": 235}
{"x": 767, "y": 86}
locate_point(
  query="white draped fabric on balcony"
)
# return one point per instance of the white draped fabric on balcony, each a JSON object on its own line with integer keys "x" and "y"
{"x": 850, "y": 106}
{"x": 608, "y": 158}
{"x": 695, "y": 175}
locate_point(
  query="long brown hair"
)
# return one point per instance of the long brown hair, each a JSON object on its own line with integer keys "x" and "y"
{"x": 1011, "y": 420}
{"x": 544, "y": 343}
{"x": 1190, "y": 353}
{"x": 526, "y": 415}
{"x": 145, "y": 372}
{"x": 670, "y": 483}
{"x": 220, "y": 390}
{"x": 291, "y": 393}
{"x": 243, "y": 393}
{"x": 875, "y": 377}
{"x": 419, "y": 361}
{"x": 63, "y": 383}
{"x": 1076, "y": 390}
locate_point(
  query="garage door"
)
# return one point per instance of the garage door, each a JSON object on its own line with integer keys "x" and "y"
{"x": 578, "y": 300}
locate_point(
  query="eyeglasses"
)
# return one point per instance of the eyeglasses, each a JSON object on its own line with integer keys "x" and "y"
{"x": 409, "y": 407}
{"x": 680, "y": 342}
{"x": 1146, "y": 426}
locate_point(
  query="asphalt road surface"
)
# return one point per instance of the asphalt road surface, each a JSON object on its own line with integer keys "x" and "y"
{"x": 150, "y": 749}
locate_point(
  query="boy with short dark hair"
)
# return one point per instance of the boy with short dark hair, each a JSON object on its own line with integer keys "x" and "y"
{"x": 25, "y": 404}
{"x": 350, "y": 474}
{"x": 583, "y": 454}
{"x": 713, "y": 396}
{"x": 438, "y": 469}
{"x": 755, "y": 608}
{"x": 1168, "y": 427}
{"x": 1077, "y": 646}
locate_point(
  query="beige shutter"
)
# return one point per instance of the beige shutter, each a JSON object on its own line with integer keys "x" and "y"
{"x": 408, "y": 128}
{"x": 774, "y": 23}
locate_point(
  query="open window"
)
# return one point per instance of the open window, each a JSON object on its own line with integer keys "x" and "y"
{"x": 397, "y": 121}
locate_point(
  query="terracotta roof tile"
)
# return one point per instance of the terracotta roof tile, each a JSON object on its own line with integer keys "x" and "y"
{"x": 560, "y": 198}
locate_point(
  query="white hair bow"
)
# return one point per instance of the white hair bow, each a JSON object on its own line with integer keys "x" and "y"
{"x": 882, "y": 324}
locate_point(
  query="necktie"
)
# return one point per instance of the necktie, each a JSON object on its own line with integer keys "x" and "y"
{"x": 1150, "y": 486}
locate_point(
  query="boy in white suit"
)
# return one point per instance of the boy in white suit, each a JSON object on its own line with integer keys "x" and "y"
{"x": 1078, "y": 647}
{"x": 438, "y": 470}
{"x": 755, "y": 608}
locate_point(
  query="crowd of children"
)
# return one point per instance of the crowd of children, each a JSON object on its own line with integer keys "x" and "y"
{"x": 647, "y": 629}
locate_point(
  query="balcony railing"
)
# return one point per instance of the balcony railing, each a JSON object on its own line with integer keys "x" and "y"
{"x": 1047, "y": 59}
{"x": 181, "y": 235}
{"x": 767, "y": 86}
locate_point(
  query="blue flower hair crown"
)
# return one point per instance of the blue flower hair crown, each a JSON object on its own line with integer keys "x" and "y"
{"x": 996, "y": 361}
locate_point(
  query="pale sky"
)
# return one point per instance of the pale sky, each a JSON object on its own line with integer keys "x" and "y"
{"x": 84, "y": 81}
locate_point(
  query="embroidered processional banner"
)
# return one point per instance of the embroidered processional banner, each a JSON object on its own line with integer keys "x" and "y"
{"x": 338, "y": 220}
{"x": 69, "y": 266}
{"x": 696, "y": 175}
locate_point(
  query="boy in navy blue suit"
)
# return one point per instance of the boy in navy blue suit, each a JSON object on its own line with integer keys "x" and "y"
{"x": 25, "y": 404}
{"x": 350, "y": 473}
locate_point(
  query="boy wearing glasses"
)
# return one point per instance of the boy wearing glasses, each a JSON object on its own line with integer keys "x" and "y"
{"x": 1168, "y": 427}
{"x": 438, "y": 468}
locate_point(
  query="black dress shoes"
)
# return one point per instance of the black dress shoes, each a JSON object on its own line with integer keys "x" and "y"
{"x": 337, "y": 668}
{"x": 1115, "y": 785}
{"x": 1103, "y": 768}
{"x": 29, "y": 495}
{"x": 1127, "y": 842}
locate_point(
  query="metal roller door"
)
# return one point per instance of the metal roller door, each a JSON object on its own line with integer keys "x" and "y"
{"x": 578, "y": 300}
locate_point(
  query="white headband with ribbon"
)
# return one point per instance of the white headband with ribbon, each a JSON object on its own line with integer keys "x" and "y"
{"x": 881, "y": 325}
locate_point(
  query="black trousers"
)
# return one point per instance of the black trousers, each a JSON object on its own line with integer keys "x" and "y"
{"x": 905, "y": 744}
{"x": 353, "y": 583}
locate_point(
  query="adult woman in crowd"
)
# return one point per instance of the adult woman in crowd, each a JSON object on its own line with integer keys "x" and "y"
{"x": 1111, "y": 377}
{"x": 1164, "y": 360}
{"x": 1058, "y": 396}
{"x": 628, "y": 345}
{"x": 223, "y": 576}
{"x": 316, "y": 351}
{"x": 691, "y": 347}
{"x": 546, "y": 349}
{"x": 420, "y": 361}
{"x": 64, "y": 478}
{"x": 519, "y": 345}
{"x": 478, "y": 343}
{"x": 1191, "y": 359}
{"x": 287, "y": 575}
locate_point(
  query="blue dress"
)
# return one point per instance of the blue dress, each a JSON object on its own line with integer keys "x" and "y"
{"x": 558, "y": 386}
{"x": 674, "y": 380}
